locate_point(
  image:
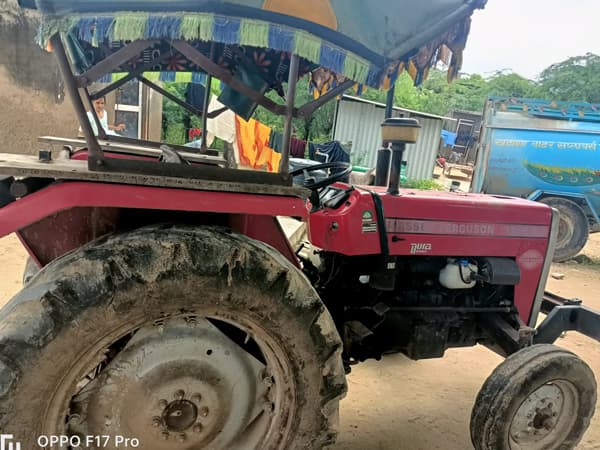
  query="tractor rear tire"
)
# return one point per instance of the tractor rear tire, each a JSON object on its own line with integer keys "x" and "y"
{"x": 31, "y": 268}
{"x": 82, "y": 345}
{"x": 573, "y": 228}
{"x": 539, "y": 398}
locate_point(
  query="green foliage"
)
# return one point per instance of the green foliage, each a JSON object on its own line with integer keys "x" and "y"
{"x": 316, "y": 128}
{"x": 424, "y": 185}
{"x": 173, "y": 124}
{"x": 575, "y": 79}
{"x": 469, "y": 92}
{"x": 437, "y": 96}
{"x": 512, "y": 85}
{"x": 175, "y": 119}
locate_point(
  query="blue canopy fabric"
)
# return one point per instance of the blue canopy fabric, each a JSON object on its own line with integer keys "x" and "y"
{"x": 369, "y": 42}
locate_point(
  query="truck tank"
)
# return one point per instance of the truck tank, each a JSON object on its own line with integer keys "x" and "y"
{"x": 548, "y": 152}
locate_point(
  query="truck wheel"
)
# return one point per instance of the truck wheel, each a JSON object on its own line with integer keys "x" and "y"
{"x": 175, "y": 336}
{"x": 541, "y": 397}
{"x": 573, "y": 228}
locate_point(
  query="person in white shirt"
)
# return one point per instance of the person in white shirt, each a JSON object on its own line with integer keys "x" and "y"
{"x": 102, "y": 115}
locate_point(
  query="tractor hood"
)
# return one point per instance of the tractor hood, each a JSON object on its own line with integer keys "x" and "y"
{"x": 444, "y": 223}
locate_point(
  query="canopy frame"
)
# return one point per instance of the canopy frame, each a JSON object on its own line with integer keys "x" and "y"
{"x": 78, "y": 86}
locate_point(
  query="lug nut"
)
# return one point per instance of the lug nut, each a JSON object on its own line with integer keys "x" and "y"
{"x": 203, "y": 411}
{"x": 156, "y": 421}
{"x": 163, "y": 403}
{"x": 197, "y": 428}
{"x": 181, "y": 437}
{"x": 196, "y": 398}
{"x": 165, "y": 435}
{"x": 179, "y": 394}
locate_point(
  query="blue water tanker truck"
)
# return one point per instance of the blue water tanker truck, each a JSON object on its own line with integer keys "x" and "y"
{"x": 545, "y": 151}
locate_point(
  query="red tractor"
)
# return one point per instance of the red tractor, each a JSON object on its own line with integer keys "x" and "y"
{"x": 172, "y": 311}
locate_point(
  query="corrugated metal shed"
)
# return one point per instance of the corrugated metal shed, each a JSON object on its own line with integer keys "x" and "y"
{"x": 359, "y": 121}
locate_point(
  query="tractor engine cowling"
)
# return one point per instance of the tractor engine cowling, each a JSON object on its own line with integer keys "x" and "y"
{"x": 447, "y": 269}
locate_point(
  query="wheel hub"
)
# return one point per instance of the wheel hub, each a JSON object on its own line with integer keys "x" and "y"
{"x": 545, "y": 416}
{"x": 180, "y": 415}
{"x": 178, "y": 381}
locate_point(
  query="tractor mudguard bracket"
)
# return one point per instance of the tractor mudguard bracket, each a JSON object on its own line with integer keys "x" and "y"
{"x": 566, "y": 315}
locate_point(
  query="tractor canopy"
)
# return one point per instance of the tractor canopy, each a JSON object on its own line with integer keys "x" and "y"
{"x": 369, "y": 42}
{"x": 251, "y": 46}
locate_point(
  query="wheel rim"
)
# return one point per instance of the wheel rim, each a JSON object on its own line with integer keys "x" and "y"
{"x": 184, "y": 382}
{"x": 566, "y": 228}
{"x": 546, "y": 417}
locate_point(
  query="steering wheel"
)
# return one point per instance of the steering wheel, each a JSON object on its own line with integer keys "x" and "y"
{"x": 311, "y": 182}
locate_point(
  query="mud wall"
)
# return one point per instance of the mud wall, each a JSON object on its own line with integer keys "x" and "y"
{"x": 32, "y": 101}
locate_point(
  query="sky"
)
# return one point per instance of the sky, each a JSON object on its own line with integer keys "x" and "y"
{"x": 526, "y": 36}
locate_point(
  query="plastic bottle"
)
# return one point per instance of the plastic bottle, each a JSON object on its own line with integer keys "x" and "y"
{"x": 457, "y": 274}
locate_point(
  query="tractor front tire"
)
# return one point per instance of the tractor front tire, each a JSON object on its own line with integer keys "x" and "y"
{"x": 573, "y": 227}
{"x": 539, "y": 398}
{"x": 171, "y": 333}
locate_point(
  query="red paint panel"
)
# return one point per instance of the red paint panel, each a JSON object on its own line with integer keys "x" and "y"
{"x": 440, "y": 227}
{"x": 60, "y": 233}
{"x": 265, "y": 229}
{"x": 65, "y": 195}
{"x": 342, "y": 230}
{"x": 461, "y": 246}
{"x": 449, "y": 206}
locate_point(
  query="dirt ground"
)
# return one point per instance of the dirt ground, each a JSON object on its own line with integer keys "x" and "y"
{"x": 424, "y": 405}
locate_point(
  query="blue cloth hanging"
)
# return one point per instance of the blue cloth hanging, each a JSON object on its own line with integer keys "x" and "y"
{"x": 449, "y": 138}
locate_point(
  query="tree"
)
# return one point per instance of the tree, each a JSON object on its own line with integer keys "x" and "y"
{"x": 467, "y": 93}
{"x": 575, "y": 79}
{"x": 173, "y": 128}
{"x": 511, "y": 85}
{"x": 316, "y": 128}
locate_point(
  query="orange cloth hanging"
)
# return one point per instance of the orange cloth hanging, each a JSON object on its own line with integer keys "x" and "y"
{"x": 246, "y": 143}
{"x": 264, "y": 154}
{"x": 253, "y": 144}
{"x": 274, "y": 161}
